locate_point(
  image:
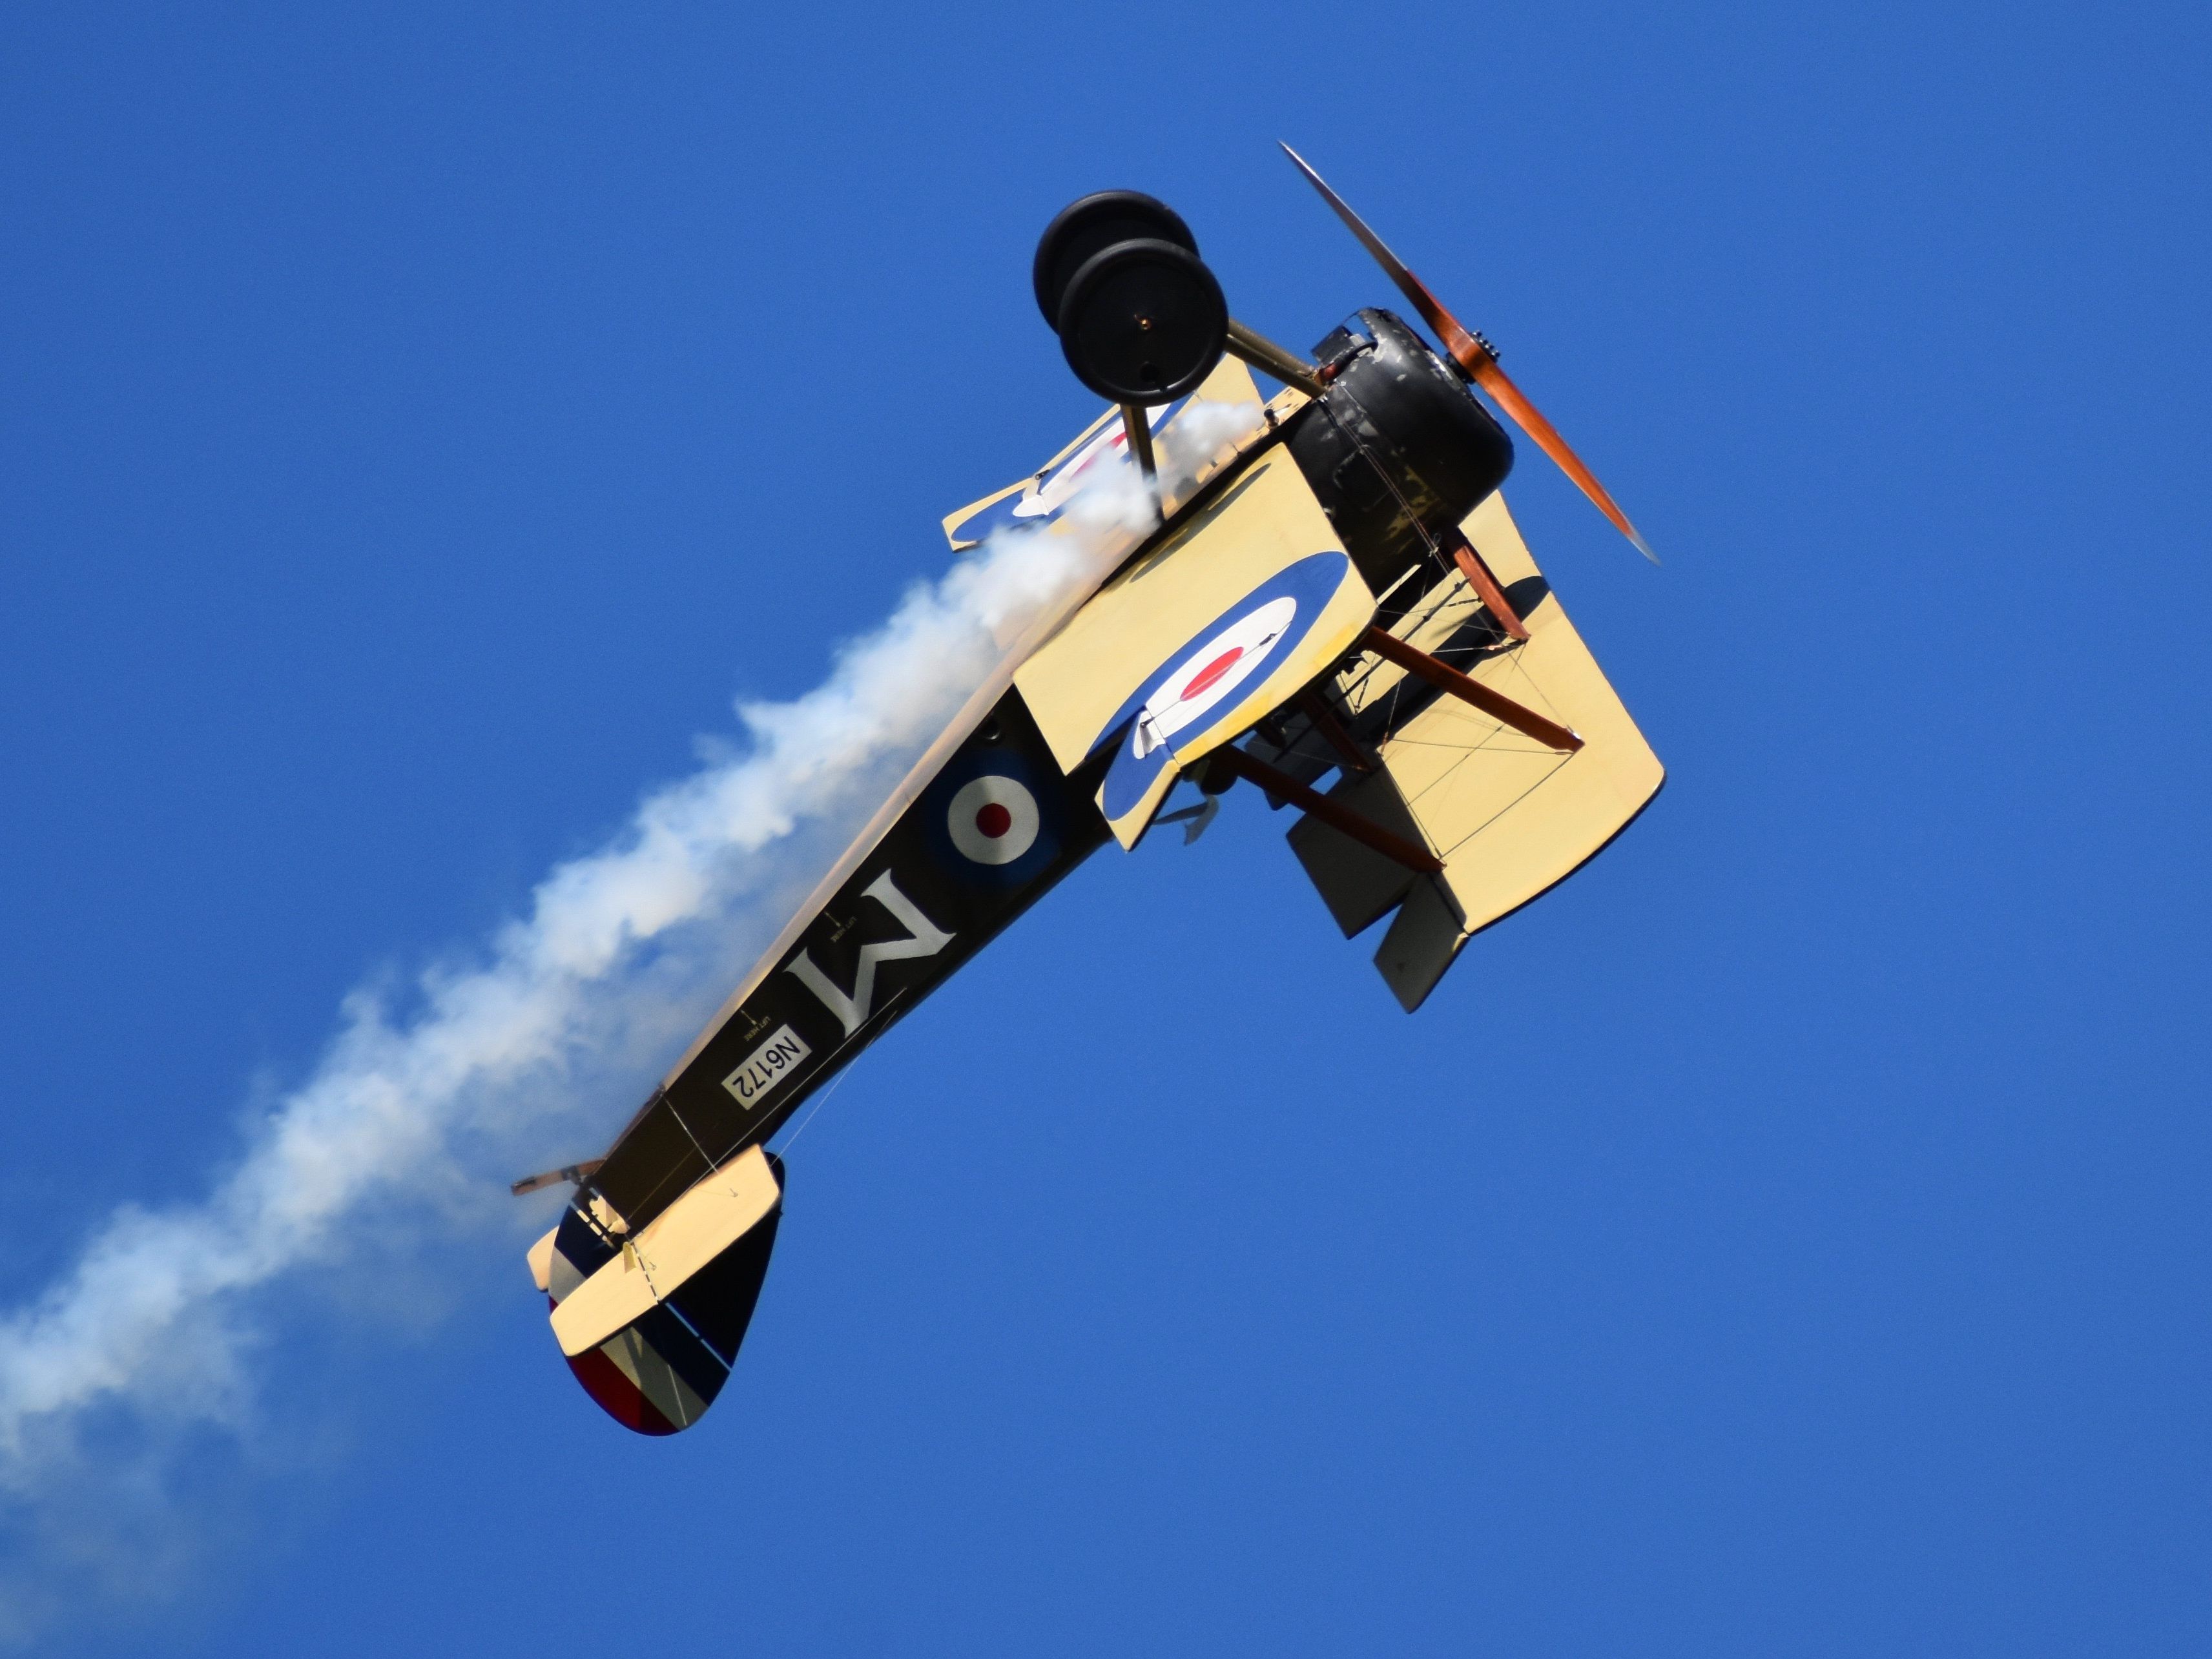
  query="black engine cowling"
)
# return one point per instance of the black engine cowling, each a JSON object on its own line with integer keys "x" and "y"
{"x": 1395, "y": 446}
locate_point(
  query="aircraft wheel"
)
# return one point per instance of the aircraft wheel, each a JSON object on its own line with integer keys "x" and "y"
{"x": 1143, "y": 322}
{"x": 1094, "y": 223}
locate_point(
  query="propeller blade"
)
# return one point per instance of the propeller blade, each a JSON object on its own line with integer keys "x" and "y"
{"x": 1526, "y": 416}
{"x": 1473, "y": 354}
{"x": 1456, "y": 340}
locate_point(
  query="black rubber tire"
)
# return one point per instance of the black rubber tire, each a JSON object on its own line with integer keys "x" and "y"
{"x": 1143, "y": 322}
{"x": 1093, "y": 222}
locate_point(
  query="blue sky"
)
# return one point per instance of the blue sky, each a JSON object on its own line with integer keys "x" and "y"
{"x": 1786, "y": 1238}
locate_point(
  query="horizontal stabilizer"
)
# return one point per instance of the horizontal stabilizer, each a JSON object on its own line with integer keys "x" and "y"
{"x": 687, "y": 1237}
{"x": 651, "y": 1323}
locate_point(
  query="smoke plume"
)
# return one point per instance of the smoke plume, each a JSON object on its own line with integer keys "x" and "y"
{"x": 533, "y": 1047}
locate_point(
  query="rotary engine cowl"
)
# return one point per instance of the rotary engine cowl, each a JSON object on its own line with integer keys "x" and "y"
{"x": 1395, "y": 446}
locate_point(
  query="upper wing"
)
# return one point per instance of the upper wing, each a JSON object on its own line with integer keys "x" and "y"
{"x": 1212, "y": 628}
{"x": 1509, "y": 816}
{"x": 1037, "y": 498}
{"x": 1189, "y": 435}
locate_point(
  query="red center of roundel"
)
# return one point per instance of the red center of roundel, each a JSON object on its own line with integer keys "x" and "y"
{"x": 993, "y": 819}
{"x": 1212, "y": 671}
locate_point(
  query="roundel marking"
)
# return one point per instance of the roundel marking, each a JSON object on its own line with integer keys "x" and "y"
{"x": 1212, "y": 671}
{"x": 1194, "y": 691}
{"x": 1208, "y": 674}
{"x": 992, "y": 819}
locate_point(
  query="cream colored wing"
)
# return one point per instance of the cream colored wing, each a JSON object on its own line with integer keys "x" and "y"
{"x": 1197, "y": 638}
{"x": 1039, "y": 496}
{"x": 1091, "y": 479}
{"x": 1509, "y": 816}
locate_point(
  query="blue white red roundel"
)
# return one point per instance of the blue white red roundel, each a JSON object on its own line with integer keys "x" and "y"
{"x": 992, "y": 819}
{"x": 1210, "y": 673}
{"x": 1178, "y": 707}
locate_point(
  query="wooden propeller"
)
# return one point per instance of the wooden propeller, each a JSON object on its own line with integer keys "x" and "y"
{"x": 1477, "y": 361}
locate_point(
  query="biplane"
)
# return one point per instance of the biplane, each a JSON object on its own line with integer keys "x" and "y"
{"x": 1323, "y": 596}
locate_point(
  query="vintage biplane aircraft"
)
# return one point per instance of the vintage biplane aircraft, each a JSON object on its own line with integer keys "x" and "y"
{"x": 1328, "y": 582}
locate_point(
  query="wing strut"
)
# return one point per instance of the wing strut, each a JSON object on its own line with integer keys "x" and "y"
{"x": 1442, "y": 675}
{"x": 1337, "y": 816}
{"x": 1484, "y": 585}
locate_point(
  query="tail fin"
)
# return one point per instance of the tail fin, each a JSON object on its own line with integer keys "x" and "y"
{"x": 651, "y": 1323}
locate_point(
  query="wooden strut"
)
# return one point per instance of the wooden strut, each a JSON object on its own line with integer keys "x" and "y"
{"x": 1485, "y": 584}
{"x": 1388, "y": 646}
{"x": 1336, "y": 815}
{"x": 1349, "y": 749}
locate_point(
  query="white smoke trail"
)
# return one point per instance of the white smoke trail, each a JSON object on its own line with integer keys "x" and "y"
{"x": 620, "y": 955}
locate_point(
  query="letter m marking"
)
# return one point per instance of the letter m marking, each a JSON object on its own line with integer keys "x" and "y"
{"x": 924, "y": 939}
